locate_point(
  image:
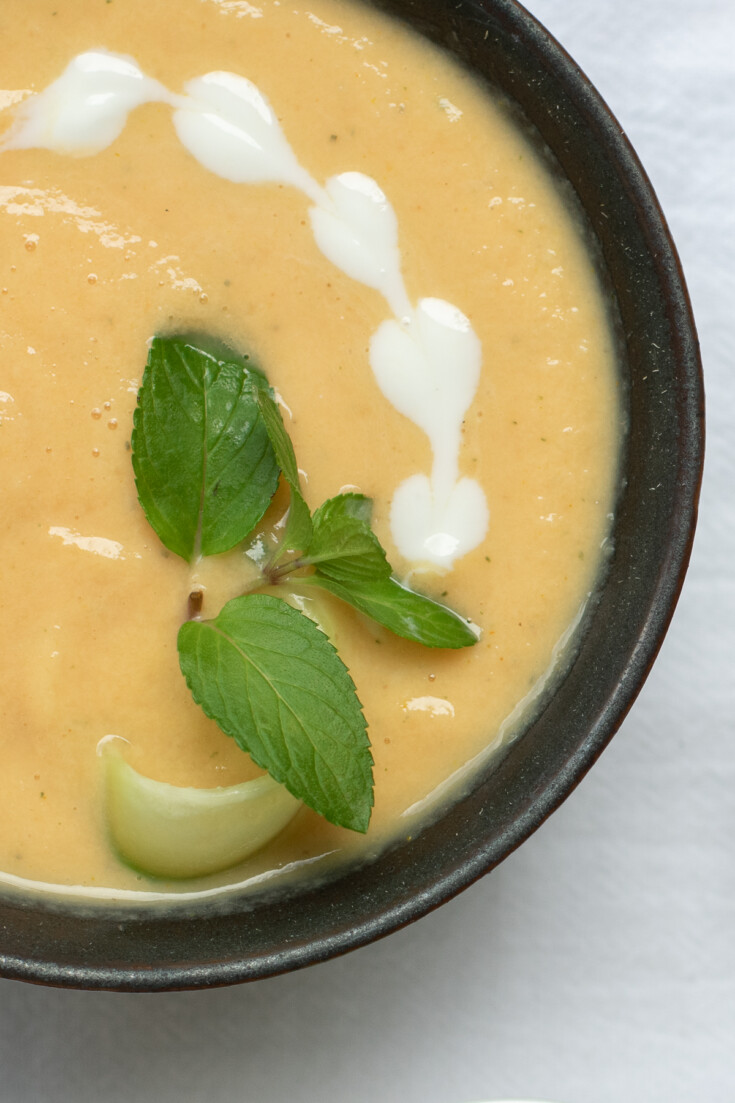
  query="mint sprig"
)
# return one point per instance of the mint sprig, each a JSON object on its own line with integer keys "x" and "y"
{"x": 209, "y": 445}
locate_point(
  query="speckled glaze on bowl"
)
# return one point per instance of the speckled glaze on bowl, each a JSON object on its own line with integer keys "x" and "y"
{"x": 248, "y": 939}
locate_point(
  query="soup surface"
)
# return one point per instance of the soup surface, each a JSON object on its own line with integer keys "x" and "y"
{"x": 100, "y": 252}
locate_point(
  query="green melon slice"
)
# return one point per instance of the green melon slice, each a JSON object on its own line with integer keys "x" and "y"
{"x": 177, "y": 832}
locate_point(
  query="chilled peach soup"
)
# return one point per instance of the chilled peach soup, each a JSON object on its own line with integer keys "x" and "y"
{"x": 108, "y": 237}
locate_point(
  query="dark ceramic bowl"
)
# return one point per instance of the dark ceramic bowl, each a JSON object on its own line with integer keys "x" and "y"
{"x": 652, "y": 538}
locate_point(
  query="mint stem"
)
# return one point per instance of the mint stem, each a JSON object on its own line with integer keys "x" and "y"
{"x": 194, "y": 605}
{"x": 275, "y": 574}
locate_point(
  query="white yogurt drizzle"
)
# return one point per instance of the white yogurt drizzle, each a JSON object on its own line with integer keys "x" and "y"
{"x": 426, "y": 359}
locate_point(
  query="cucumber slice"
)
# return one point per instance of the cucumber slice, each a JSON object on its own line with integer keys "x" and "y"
{"x": 176, "y": 832}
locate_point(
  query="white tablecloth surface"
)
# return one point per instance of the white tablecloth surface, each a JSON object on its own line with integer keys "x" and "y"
{"x": 597, "y": 965}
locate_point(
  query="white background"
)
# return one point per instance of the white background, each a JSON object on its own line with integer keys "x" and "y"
{"x": 597, "y": 965}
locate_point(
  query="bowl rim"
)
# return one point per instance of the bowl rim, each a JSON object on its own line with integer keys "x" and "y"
{"x": 396, "y": 899}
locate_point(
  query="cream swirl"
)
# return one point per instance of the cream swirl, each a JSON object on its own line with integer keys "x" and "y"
{"x": 426, "y": 359}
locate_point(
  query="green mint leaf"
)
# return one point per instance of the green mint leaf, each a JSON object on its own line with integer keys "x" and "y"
{"x": 344, "y": 547}
{"x": 204, "y": 465}
{"x": 297, "y": 534}
{"x": 272, "y": 680}
{"x": 353, "y": 505}
{"x": 279, "y": 438}
{"x": 404, "y": 612}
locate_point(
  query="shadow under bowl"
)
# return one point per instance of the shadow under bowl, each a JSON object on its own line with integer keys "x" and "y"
{"x": 652, "y": 536}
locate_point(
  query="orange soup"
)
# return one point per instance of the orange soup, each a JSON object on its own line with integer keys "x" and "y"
{"x": 101, "y": 248}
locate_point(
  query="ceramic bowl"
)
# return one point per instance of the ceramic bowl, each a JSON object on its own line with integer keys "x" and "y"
{"x": 249, "y": 939}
